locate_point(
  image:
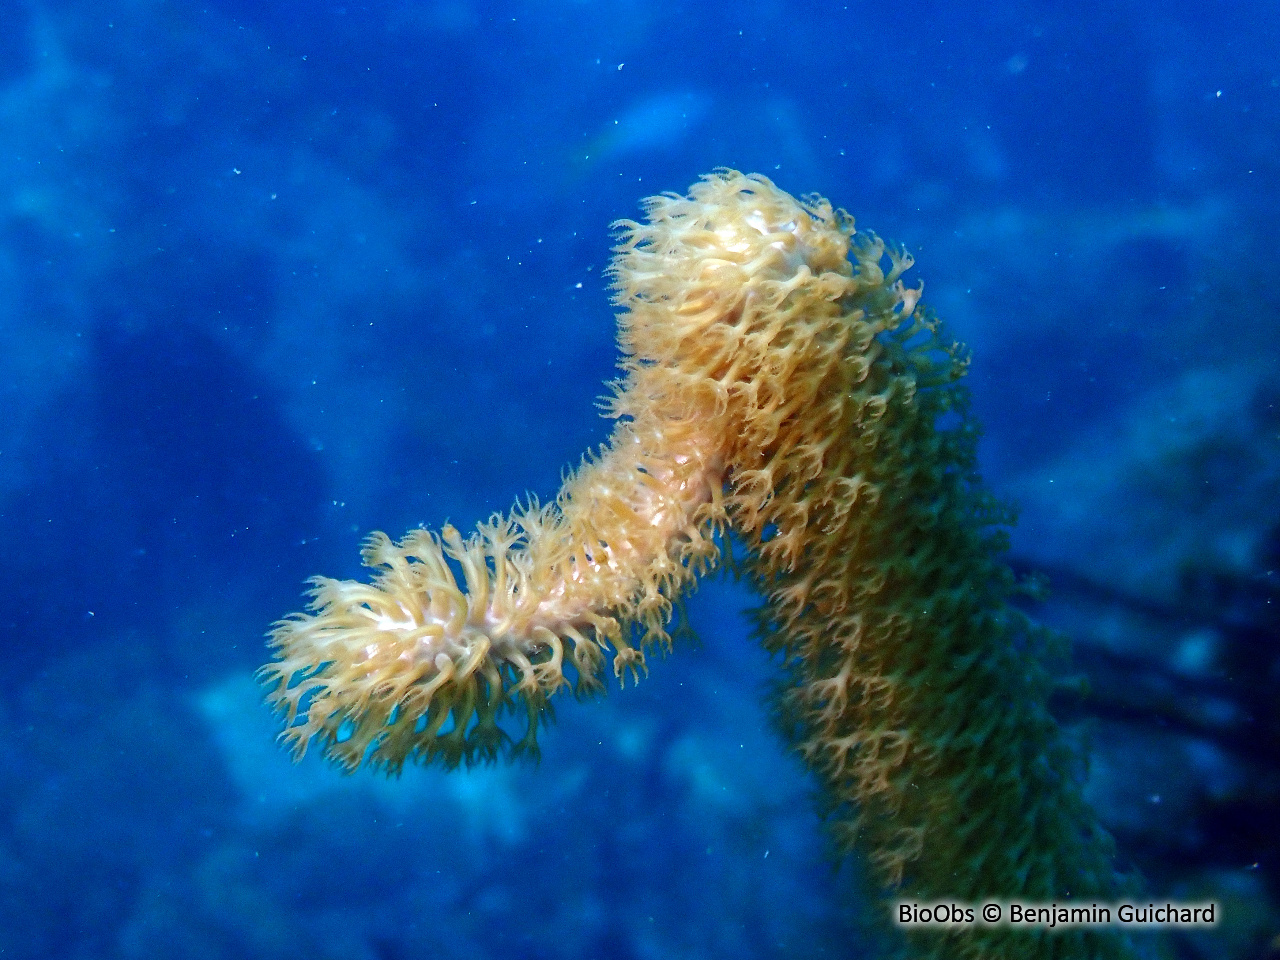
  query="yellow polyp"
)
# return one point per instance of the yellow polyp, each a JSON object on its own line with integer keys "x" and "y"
{"x": 780, "y": 380}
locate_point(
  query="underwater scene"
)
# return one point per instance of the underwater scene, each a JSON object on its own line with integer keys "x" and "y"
{"x": 827, "y": 457}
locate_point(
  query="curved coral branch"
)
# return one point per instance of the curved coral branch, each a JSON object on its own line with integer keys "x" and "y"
{"x": 781, "y": 381}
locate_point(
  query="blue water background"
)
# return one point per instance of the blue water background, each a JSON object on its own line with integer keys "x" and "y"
{"x": 277, "y": 274}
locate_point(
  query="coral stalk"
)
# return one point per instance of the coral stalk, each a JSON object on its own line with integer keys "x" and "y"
{"x": 782, "y": 382}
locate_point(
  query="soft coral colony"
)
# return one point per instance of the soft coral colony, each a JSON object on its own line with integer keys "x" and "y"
{"x": 781, "y": 382}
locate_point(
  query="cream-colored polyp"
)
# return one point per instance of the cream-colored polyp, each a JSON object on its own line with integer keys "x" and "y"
{"x": 416, "y": 662}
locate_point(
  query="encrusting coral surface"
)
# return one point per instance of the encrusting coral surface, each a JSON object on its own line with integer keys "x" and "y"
{"x": 781, "y": 382}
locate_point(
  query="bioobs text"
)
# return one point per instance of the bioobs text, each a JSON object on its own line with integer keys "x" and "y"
{"x": 938, "y": 914}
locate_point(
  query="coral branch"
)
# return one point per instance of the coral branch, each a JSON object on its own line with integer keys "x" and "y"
{"x": 780, "y": 381}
